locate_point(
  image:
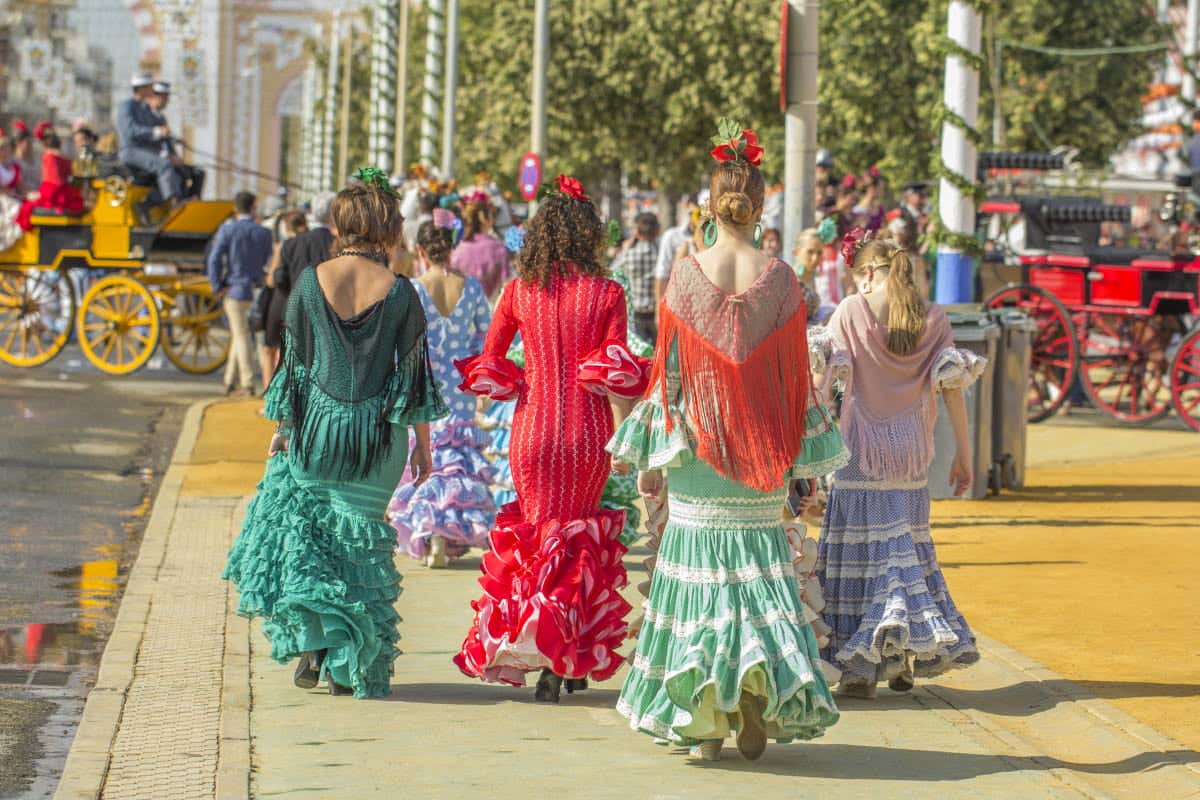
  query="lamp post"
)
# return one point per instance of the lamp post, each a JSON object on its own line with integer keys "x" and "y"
{"x": 800, "y": 90}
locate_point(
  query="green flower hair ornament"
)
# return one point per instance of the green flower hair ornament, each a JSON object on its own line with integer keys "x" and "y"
{"x": 613, "y": 233}
{"x": 374, "y": 176}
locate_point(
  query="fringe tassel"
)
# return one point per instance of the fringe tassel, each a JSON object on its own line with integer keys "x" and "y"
{"x": 752, "y": 429}
{"x": 898, "y": 449}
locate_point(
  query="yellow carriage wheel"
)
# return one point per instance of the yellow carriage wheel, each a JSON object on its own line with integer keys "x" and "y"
{"x": 196, "y": 334}
{"x": 118, "y": 325}
{"x": 36, "y": 309}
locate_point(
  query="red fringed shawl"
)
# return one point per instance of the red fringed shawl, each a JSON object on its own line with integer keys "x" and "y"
{"x": 743, "y": 363}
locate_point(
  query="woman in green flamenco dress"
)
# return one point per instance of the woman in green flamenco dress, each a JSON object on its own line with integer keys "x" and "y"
{"x": 314, "y": 557}
{"x": 725, "y": 644}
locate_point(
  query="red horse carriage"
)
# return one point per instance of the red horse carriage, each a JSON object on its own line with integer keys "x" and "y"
{"x": 1118, "y": 320}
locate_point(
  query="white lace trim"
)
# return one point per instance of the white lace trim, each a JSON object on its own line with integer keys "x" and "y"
{"x": 956, "y": 368}
{"x": 686, "y": 628}
{"x": 701, "y": 575}
{"x": 881, "y": 486}
{"x": 818, "y": 469}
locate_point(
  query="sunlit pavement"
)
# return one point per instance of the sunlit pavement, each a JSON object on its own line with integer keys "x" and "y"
{"x": 1058, "y": 579}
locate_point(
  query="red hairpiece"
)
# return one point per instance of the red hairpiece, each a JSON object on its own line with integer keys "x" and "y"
{"x": 852, "y": 242}
{"x": 735, "y": 143}
{"x": 18, "y": 126}
{"x": 39, "y": 131}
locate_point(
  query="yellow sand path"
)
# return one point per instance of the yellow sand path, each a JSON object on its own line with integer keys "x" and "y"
{"x": 1092, "y": 569}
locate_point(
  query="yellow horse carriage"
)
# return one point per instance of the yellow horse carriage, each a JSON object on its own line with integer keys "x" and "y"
{"x": 140, "y": 286}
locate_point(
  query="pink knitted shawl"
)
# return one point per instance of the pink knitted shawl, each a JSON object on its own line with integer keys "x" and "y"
{"x": 889, "y": 409}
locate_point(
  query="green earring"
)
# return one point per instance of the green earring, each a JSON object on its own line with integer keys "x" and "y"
{"x": 758, "y": 235}
{"x": 710, "y": 233}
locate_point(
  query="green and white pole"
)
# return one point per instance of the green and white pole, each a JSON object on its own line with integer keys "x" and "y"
{"x": 431, "y": 100}
{"x": 382, "y": 122}
{"x": 957, "y": 192}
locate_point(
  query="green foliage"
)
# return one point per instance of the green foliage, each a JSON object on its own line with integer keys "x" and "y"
{"x": 883, "y": 66}
{"x": 635, "y": 86}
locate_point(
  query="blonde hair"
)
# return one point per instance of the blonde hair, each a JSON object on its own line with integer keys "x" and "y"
{"x": 806, "y": 234}
{"x": 906, "y": 308}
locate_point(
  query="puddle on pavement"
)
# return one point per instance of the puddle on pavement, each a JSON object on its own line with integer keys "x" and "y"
{"x": 93, "y": 588}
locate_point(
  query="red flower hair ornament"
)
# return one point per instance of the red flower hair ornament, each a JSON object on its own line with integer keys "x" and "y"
{"x": 39, "y": 132}
{"x": 852, "y": 242}
{"x": 735, "y": 143}
{"x": 566, "y": 186}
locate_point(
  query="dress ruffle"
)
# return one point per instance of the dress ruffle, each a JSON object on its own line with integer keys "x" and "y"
{"x": 887, "y": 598}
{"x": 550, "y": 599}
{"x": 621, "y": 494}
{"x": 955, "y": 368}
{"x": 498, "y": 423}
{"x": 322, "y": 577}
{"x": 613, "y": 369}
{"x": 711, "y": 633}
{"x": 455, "y": 502}
{"x": 491, "y": 376}
{"x": 643, "y": 441}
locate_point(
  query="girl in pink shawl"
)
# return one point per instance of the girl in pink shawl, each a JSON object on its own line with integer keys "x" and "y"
{"x": 886, "y": 600}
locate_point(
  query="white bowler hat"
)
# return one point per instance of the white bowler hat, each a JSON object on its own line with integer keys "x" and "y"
{"x": 162, "y": 87}
{"x": 141, "y": 79}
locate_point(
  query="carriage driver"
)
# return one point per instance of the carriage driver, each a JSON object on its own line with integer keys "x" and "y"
{"x": 142, "y": 134}
{"x": 191, "y": 178}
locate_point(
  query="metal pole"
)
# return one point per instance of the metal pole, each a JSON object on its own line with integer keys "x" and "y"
{"x": 997, "y": 91}
{"x": 433, "y": 74}
{"x": 541, "y": 56}
{"x": 448, "y": 106}
{"x": 1188, "y": 90}
{"x": 330, "y": 124}
{"x": 344, "y": 141}
{"x": 801, "y": 120}
{"x": 401, "y": 90}
{"x": 955, "y": 276}
{"x": 382, "y": 128}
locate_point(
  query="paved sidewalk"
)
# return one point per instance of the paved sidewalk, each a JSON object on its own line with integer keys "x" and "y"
{"x": 189, "y": 705}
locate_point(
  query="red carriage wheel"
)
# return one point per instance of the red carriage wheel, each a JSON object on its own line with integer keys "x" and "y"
{"x": 1185, "y": 380}
{"x": 1055, "y": 358}
{"x": 1124, "y": 365}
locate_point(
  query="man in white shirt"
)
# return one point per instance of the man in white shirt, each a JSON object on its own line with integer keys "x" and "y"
{"x": 671, "y": 239}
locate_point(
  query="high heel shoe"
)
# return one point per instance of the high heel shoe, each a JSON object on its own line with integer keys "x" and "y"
{"x": 573, "y": 685}
{"x": 308, "y": 669}
{"x": 337, "y": 690}
{"x": 548, "y": 687}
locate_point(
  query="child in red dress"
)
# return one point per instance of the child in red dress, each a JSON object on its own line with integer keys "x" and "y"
{"x": 56, "y": 191}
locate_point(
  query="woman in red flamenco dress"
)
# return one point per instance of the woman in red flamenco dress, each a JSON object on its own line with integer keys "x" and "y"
{"x": 551, "y": 580}
{"x": 56, "y": 191}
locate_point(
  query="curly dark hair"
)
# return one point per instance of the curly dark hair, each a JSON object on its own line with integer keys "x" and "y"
{"x": 565, "y": 236}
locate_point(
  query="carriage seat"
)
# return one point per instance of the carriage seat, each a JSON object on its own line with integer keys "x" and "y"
{"x": 1123, "y": 256}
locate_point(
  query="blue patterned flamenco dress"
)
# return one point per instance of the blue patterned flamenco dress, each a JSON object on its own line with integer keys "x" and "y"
{"x": 455, "y": 503}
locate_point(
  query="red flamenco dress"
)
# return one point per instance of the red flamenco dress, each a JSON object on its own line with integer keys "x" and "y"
{"x": 55, "y": 193}
{"x": 551, "y": 580}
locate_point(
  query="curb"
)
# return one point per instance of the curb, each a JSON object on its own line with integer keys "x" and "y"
{"x": 87, "y": 764}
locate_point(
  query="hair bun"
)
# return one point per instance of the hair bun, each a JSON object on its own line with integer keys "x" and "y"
{"x": 735, "y": 207}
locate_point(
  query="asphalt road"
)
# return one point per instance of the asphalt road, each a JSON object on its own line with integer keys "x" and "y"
{"x": 81, "y": 454}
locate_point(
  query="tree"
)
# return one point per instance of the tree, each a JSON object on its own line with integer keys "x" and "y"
{"x": 882, "y": 71}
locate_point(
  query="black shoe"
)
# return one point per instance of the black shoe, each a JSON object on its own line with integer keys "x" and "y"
{"x": 574, "y": 685}
{"x": 308, "y": 669}
{"x": 337, "y": 690}
{"x": 548, "y": 687}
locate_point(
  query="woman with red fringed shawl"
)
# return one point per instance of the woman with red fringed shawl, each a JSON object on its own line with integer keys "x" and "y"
{"x": 730, "y": 416}
{"x": 553, "y": 575}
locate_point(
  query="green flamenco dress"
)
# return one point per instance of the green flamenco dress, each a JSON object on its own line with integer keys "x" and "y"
{"x": 724, "y": 614}
{"x": 315, "y": 554}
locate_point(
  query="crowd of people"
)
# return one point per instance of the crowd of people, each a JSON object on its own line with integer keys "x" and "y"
{"x": 705, "y": 376}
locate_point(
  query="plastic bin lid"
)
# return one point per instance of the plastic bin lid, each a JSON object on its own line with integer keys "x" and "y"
{"x": 1014, "y": 319}
{"x": 971, "y": 322}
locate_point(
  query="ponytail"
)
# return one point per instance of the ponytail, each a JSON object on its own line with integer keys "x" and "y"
{"x": 906, "y": 307}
